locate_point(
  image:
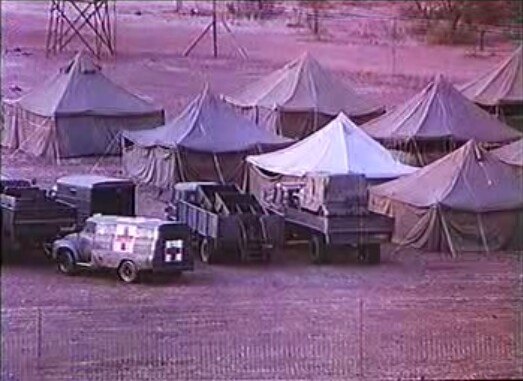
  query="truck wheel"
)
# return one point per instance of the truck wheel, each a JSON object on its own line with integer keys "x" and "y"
{"x": 65, "y": 262}
{"x": 208, "y": 251}
{"x": 128, "y": 272}
{"x": 369, "y": 254}
{"x": 318, "y": 249}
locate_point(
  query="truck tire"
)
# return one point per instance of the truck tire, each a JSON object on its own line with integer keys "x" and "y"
{"x": 369, "y": 253}
{"x": 208, "y": 251}
{"x": 128, "y": 272}
{"x": 318, "y": 249}
{"x": 65, "y": 262}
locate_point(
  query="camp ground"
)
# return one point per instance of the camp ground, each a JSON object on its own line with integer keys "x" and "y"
{"x": 261, "y": 190}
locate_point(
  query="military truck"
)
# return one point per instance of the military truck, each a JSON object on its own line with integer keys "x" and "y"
{"x": 225, "y": 222}
{"x": 29, "y": 217}
{"x": 95, "y": 194}
{"x": 331, "y": 210}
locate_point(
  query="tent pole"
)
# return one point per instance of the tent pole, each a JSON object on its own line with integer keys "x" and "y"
{"x": 482, "y": 232}
{"x": 447, "y": 232}
{"x": 218, "y": 168}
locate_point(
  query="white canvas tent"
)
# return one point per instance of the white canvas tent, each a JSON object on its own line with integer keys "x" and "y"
{"x": 341, "y": 147}
{"x": 78, "y": 112}
{"x": 338, "y": 148}
{"x": 302, "y": 97}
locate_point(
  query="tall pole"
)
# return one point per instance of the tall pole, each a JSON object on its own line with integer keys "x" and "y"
{"x": 394, "y": 36}
{"x": 214, "y": 30}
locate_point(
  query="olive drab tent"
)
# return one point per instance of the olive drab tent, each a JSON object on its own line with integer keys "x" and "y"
{"x": 435, "y": 121}
{"x": 500, "y": 87}
{"x": 340, "y": 147}
{"x": 511, "y": 153}
{"x": 78, "y": 112}
{"x": 468, "y": 200}
{"x": 208, "y": 141}
{"x": 302, "y": 97}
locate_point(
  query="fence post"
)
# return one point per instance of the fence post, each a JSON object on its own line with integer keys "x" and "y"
{"x": 38, "y": 336}
{"x": 361, "y": 336}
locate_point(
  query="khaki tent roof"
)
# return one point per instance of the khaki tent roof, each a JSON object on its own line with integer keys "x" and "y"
{"x": 338, "y": 148}
{"x": 81, "y": 88}
{"x": 468, "y": 179}
{"x": 304, "y": 85}
{"x": 207, "y": 125}
{"x": 511, "y": 153}
{"x": 502, "y": 85}
{"x": 439, "y": 111}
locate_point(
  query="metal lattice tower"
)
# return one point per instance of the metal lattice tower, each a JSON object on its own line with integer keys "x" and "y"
{"x": 92, "y": 22}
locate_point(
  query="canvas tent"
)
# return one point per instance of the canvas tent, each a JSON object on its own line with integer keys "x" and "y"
{"x": 302, "y": 97}
{"x": 208, "y": 141}
{"x": 501, "y": 87}
{"x": 468, "y": 200}
{"x": 340, "y": 147}
{"x": 511, "y": 153}
{"x": 78, "y": 112}
{"x": 435, "y": 121}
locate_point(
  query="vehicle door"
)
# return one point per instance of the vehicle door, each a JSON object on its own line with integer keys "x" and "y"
{"x": 86, "y": 242}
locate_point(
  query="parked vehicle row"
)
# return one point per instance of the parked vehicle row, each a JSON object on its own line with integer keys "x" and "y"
{"x": 88, "y": 221}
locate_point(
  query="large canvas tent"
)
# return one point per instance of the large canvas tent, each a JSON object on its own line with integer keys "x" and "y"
{"x": 511, "y": 153}
{"x": 435, "y": 121}
{"x": 340, "y": 147}
{"x": 468, "y": 200}
{"x": 208, "y": 141}
{"x": 501, "y": 89}
{"x": 302, "y": 97}
{"x": 78, "y": 112}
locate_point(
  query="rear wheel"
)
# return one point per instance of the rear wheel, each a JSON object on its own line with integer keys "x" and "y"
{"x": 65, "y": 261}
{"x": 369, "y": 253}
{"x": 128, "y": 272}
{"x": 208, "y": 250}
{"x": 318, "y": 249}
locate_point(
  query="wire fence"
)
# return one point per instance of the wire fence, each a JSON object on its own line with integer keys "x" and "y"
{"x": 403, "y": 338}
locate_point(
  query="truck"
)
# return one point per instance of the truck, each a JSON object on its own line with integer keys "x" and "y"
{"x": 29, "y": 217}
{"x": 129, "y": 245}
{"x": 330, "y": 211}
{"x": 96, "y": 194}
{"x": 225, "y": 221}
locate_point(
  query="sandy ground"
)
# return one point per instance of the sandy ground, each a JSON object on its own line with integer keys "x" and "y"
{"x": 415, "y": 315}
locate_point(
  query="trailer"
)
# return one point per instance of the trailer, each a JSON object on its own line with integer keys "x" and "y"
{"x": 30, "y": 218}
{"x": 331, "y": 211}
{"x": 226, "y": 221}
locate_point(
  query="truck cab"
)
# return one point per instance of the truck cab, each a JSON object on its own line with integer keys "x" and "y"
{"x": 95, "y": 194}
{"x": 129, "y": 245}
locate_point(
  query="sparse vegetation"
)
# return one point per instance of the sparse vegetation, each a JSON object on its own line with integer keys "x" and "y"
{"x": 461, "y": 21}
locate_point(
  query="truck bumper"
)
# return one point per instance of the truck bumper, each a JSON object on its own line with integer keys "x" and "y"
{"x": 173, "y": 267}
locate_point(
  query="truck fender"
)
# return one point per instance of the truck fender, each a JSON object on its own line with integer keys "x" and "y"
{"x": 64, "y": 244}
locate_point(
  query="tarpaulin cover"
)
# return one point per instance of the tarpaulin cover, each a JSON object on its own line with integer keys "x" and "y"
{"x": 340, "y": 147}
{"x": 439, "y": 112}
{"x": 502, "y": 85}
{"x": 78, "y": 112}
{"x": 511, "y": 153}
{"x": 302, "y": 97}
{"x": 207, "y": 142}
{"x": 469, "y": 198}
